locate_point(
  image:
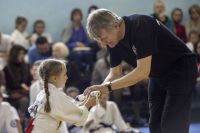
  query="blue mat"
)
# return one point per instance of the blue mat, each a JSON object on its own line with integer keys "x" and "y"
{"x": 194, "y": 128}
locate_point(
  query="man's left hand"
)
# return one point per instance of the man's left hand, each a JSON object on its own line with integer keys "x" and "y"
{"x": 102, "y": 88}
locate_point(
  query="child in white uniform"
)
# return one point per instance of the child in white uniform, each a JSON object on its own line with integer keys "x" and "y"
{"x": 52, "y": 105}
{"x": 105, "y": 117}
{"x": 9, "y": 119}
{"x": 35, "y": 89}
{"x": 19, "y": 36}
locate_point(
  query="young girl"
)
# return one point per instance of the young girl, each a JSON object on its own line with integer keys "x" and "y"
{"x": 52, "y": 105}
{"x": 39, "y": 30}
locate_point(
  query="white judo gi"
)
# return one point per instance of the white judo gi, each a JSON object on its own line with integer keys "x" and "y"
{"x": 111, "y": 117}
{"x": 8, "y": 117}
{"x": 63, "y": 108}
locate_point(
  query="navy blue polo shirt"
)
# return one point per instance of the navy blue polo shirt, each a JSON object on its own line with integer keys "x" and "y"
{"x": 145, "y": 36}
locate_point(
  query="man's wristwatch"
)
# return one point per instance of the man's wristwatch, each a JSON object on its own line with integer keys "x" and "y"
{"x": 109, "y": 86}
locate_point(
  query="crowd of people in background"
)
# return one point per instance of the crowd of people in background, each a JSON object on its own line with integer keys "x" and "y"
{"x": 21, "y": 53}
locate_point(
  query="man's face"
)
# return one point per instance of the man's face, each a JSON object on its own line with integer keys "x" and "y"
{"x": 109, "y": 37}
{"x": 43, "y": 48}
{"x": 159, "y": 8}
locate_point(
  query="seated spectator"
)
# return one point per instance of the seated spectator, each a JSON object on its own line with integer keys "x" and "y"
{"x": 194, "y": 22}
{"x": 92, "y": 8}
{"x": 75, "y": 37}
{"x": 35, "y": 86}
{"x": 61, "y": 51}
{"x": 17, "y": 78}
{"x": 178, "y": 28}
{"x": 5, "y": 45}
{"x": 193, "y": 40}
{"x": 105, "y": 117}
{"x": 10, "y": 122}
{"x": 159, "y": 13}
{"x": 101, "y": 70}
{"x": 39, "y": 51}
{"x": 19, "y": 36}
{"x": 38, "y": 31}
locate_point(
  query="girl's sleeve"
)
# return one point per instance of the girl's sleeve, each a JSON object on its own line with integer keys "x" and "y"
{"x": 65, "y": 109}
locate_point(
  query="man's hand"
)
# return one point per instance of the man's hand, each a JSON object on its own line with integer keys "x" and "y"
{"x": 102, "y": 88}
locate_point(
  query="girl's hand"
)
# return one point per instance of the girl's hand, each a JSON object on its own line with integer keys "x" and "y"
{"x": 90, "y": 102}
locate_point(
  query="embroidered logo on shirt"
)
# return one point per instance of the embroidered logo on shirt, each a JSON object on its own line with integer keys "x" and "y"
{"x": 33, "y": 109}
{"x": 13, "y": 123}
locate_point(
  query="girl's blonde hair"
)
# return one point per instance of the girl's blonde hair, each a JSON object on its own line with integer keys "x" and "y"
{"x": 49, "y": 67}
{"x": 101, "y": 19}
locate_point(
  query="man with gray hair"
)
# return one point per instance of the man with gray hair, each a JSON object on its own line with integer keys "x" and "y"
{"x": 155, "y": 52}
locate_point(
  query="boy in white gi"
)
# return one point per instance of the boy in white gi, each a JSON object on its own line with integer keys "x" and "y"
{"x": 105, "y": 117}
{"x": 52, "y": 105}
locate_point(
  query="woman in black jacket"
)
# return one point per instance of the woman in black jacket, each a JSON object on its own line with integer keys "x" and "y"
{"x": 17, "y": 78}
